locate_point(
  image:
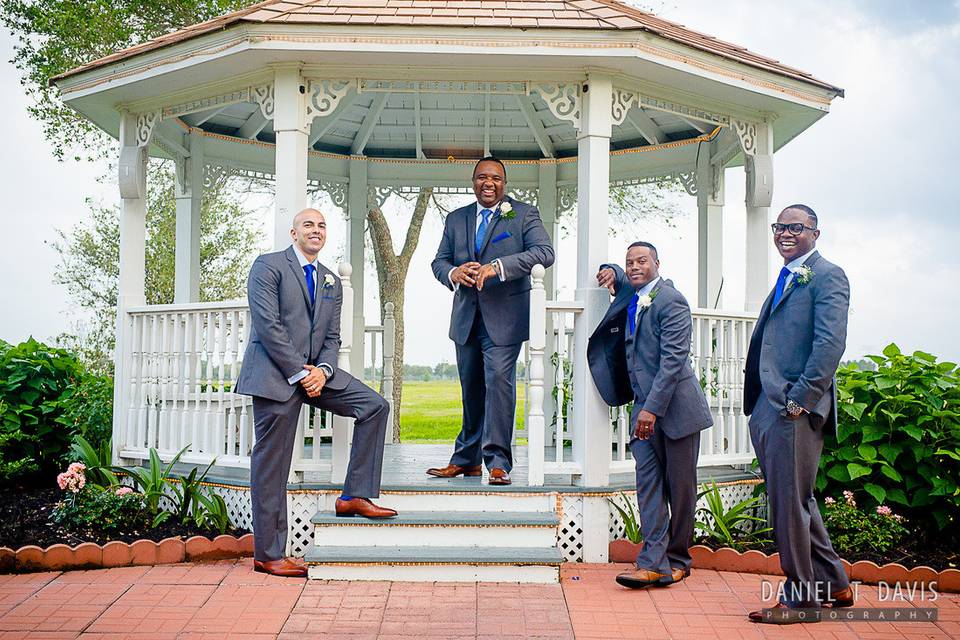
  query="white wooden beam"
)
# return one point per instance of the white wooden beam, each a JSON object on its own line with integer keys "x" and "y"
{"x": 702, "y": 127}
{"x": 169, "y": 141}
{"x": 536, "y": 126}
{"x": 646, "y": 126}
{"x": 416, "y": 124}
{"x": 253, "y": 125}
{"x": 200, "y": 117}
{"x": 486, "y": 124}
{"x": 321, "y": 126}
{"x": 369, "y": 122}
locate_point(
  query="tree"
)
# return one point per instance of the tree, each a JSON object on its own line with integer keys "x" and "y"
{"x": 391, "y": 280}
{"x": 90, "y": 257}
{"x": 54, "y": 36}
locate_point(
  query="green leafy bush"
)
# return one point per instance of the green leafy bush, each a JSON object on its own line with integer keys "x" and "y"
{"x": 631, "y": 519}
{"x": 898, "y": 437}
{"x": 853, "y": 531}
{"x": 90, "y": 410}
{"x": 108, "y": 511}
{"x": 735, "y": 527}
{"x": 37, "y": 382}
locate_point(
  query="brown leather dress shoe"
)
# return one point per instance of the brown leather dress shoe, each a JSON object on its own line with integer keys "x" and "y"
{"x": 843, "y": 598}
{"x": 361, "y": 507}
{"x": 782, "y": 614}
{"x": 676, "y": 575}
{"x": 639, "y": 578}
{"x": 499, "y": 476}
{"x": 453, "y": 470}
{"x": 284, "y": 567}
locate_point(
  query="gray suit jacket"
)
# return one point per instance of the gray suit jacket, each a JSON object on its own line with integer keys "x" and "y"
{"x": 286, "y": 333}
{"x": 796, "y": 346}
{"x": 519, "y": 243}
{"x": 652, "y": 367}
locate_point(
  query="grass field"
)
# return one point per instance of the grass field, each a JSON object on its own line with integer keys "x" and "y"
{"x": 431, "y": 411}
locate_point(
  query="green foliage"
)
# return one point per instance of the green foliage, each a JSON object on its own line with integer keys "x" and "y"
{"x": 733, "y": 527}
{"x": 54, "y": 36}
{"x": 37, "y": 385}
{"x": 898, "y": 438}
{"x": 853, "y": 531}
{"x": 630, "y": 517}
{"x": 186, "y": 493}
{"x": 102, "y": 510}
{"x": 211, "y": 513}
{"x": 90, "y": 410}
{"x": 96, "y": 460}
{"x": 90, "y": 254}
{"x": 152, "y": 481}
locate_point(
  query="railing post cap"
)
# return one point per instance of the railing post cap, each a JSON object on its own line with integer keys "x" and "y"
{"x": 538, "y": 271}
{"x": 388, "y": 307}
{"x": 345, "y": 269}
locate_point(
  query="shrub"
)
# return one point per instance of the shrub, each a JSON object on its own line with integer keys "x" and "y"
{"x": 88, "y": 507}
{"x": 736, "y": 527}
{"x": 90, "y": 410}
{"x": 854, "y": 531}
{"x": 898, "y": 437}
{"x": 36, "y": 384}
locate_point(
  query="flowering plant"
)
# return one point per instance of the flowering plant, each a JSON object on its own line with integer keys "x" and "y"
{"x": 855, "y": 531}
{"x": 506, "y": 211}
{"x": 73, "y": 479}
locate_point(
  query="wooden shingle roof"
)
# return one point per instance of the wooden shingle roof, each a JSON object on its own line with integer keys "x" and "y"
{"x": 600, "y": 15}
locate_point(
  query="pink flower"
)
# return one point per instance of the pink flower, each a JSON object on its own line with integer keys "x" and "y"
{"x": 62, "y": 481}
{"x": 76, "y": 467}
{"x": 122, "y": 491}
{"x": 829, "y": 500}
{"x": 848, "y": 495}
{"x": 884, "y": 510}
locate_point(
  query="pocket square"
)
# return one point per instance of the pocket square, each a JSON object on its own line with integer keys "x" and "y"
{"x": 502, "y": 236}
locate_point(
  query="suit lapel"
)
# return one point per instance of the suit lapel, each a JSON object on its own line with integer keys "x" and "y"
{"x": 299, "y": 273}
{"x": 653, "y": 292}
{"x": 793, "y": 283}
{"x": 491, "y": 227}
{"x": 320, "y": 289}
{"x": 470, "y": 220}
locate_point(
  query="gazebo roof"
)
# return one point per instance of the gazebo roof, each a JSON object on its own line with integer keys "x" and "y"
{"x": 603, "y": 15}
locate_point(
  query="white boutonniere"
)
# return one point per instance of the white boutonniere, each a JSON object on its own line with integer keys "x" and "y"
{"x": 328, "y": 281}
{"x": 506, "y": 211}
{"x": 645, "y": 301}
{"x": 803, "y": 275}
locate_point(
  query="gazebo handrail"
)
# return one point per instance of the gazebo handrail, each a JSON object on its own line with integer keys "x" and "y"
{"x": 223, "y": 305}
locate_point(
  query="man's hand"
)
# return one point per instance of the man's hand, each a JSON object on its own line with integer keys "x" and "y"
{"x": 466, "y": 274}
{"x": 645, "y": 422}
{"x": 607, "y": 278}
{"x": 486, "y": 271}
{"x": 313, "y": 383}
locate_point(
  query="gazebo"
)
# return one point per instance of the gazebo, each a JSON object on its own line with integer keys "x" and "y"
{"x": 364, "y": 98}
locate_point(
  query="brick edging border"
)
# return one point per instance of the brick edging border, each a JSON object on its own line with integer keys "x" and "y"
{"x": 727, "y": 559}
{"x": 89, "y": 555}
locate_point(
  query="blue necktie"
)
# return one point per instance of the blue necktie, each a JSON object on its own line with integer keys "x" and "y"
{"x": 308, "y": 270}
{"x": 632, "y": 312}
{"x": 482, "y": 229}
{"x": 781, "y": 285}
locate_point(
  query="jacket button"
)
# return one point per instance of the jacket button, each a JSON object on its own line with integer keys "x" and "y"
{"x": 304, "y": 355}
{"x": 766, "y": 370}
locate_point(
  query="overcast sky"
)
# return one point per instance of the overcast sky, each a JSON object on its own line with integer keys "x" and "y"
{"x": 878, "y": 169}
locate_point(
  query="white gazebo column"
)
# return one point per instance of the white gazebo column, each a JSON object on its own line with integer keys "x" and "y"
{"x": 189, "y": 196}
{"x": 292, "y": 128}
{"x": 591, "y": 417}
{"x": 547, "y": 203}
{"x": 710, "y": 232}
{"x": 132, "y": 165}
{"x": 758, "y": 150}
{"x": 356, "y": 224}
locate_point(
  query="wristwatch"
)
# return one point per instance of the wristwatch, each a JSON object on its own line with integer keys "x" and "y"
{"x": 793, "y": 408}
{"x": 496, "y": 267}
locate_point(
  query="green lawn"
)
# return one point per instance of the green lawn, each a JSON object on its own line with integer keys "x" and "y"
{"x": 431, "y": 411}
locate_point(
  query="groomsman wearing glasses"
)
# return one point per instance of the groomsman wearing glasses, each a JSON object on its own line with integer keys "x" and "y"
{"x": 790, "y": 396}
{"x": 485, "y": 257}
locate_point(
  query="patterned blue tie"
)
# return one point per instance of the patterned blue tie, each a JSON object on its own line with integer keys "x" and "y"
{"x": 482, "y": 229}
{"x": 308, "y": 270}
{"x": 781, "y": 285}
{"x": 632, "y": 312}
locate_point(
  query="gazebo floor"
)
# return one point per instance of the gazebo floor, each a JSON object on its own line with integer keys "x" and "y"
{"x": 405, "y": 465}
{"x": 227, "y": 600}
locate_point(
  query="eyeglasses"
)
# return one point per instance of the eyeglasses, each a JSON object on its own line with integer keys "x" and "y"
{"x": 796, "y": 228}
{"x": 484, "y": 177}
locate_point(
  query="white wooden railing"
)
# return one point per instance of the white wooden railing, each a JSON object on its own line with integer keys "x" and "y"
{"x": 183, "y": 362}
{"x": 718, "y": 356}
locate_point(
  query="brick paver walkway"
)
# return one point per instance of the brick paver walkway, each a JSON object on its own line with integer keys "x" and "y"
{"x": 228, "y": 600}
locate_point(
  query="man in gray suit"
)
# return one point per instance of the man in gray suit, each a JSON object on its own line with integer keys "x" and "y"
{"x": 790, "y": 395}
{"x": 485, "y": 257}
{"x": 640, "y": 351}
{"x": 291, "y": 360}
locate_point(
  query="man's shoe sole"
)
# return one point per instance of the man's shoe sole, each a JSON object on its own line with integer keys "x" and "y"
{"x": 634, "y": 584}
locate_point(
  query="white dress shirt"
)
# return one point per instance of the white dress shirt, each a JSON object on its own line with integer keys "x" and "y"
{"x": 302, "y": 259}
{"x": 480, "y": 207}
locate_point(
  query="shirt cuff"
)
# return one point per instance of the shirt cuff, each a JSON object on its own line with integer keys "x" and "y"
{"x": 503, "y": 274}
{"x": 455, "y": 285}
{"x": 327, "y": 369}
{"x": 297, "y": 377}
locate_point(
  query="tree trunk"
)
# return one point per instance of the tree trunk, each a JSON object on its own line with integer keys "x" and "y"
{"x": 391, "y": 280}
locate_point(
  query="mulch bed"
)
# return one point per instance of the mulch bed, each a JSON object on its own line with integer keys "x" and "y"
{"x": 25, "y": 519}
{"x": 939, "y": 553}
